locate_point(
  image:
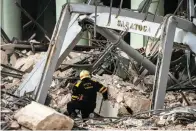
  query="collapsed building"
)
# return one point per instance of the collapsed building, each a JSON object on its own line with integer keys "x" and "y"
{"x": 149, "y": 87}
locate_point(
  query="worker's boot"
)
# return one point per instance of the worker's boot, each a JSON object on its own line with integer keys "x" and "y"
{"x": 73, "y": 115}
{"x": 91, "y": 115}
{"x": 66, "y": 113}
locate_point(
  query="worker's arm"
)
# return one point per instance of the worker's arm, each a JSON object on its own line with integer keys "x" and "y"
{"x": 102, "y": 89}
{"x": 75, "y": 91}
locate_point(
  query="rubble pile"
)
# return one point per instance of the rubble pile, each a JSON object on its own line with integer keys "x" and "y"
{"x": 127, "y": 99}
{"x": 16, "y": 67}
{"x": 181, "y": 118}
{"x": 129, "y": 83}
{"x": 10, "y": 104}
{"x": 125, "y": 94}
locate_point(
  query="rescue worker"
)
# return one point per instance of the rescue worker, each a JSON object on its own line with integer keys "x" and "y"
{"x": 84, "y": 95}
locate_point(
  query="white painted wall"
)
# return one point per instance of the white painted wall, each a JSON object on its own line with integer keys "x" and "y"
{"x": 138, "y": 41}
{"x": 11, "y": 18}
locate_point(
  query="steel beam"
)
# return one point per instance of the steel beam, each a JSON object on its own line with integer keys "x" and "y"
{"x": 89, "y": 9}
{"x": 53, "y": 55}
{"x": 167, "y": 47}
{"x": 72, "y": 37}
{"x": 32, "y": 81}
{"x": 102, "y": 57}
{"x": 127, "y": 49}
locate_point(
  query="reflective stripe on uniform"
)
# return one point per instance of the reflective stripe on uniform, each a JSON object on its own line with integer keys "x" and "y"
{"x": 74, "y": 96}
{"x": 77, "y": 85}
{"x": 104, "y": 90}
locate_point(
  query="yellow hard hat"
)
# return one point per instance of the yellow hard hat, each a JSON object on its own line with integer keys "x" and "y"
{"x": 84, "y": 74}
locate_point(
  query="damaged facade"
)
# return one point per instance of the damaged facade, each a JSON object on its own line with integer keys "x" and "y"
{"x": 152, "y": 87}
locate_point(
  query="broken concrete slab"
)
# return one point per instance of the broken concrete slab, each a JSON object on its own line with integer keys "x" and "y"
{"x": 30, "y": 53}
{"x": 39, "y": 117}
{"x": 19, "y": 63}
{"x": 24, "y": 51}
{"x": 120, "y": 97}
{"x": 15, "y": 82}
{"x": 24, "y": 128}
{"x": 14, "y": 125}
{"x": 137, "y": 104}
{"x": 161, "y": 122}
{"x": 13, "y": 59}
{"x": 134, "y": 122}
{"x": 149, "y": 80}
{"x": 113, "y": 92}
{"x": 26, "y": 64}
{"x": 4, "y": 57}
{"x": 76, "y": 57}
{"x": 109, "y": 108}
{"x": 65, "y": 99}
{"x": 65, "y": 73}
{"x": 191, "y": 126}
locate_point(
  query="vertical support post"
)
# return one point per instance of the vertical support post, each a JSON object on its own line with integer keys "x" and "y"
{"x": 167, "y": 46}
{"x": 191, "y": 10}
{"x": 53, "y": 55}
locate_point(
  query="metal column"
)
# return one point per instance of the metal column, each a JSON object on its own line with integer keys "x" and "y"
{"x": 53, "y": 55}
{"x": 167, "y": 47}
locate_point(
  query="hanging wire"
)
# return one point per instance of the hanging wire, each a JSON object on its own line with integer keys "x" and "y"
{"x": 110, "y": 15}
{"x": 121, "y": 3}
{"x": 179, "y": 5}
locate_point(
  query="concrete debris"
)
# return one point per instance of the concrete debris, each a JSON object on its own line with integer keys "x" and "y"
{"x": 14, "y": 125}
{"x": 149, "y": 80}
{"x": 135, "y": 122}
{"x": 138, "y": 104}
{"x": 39, "y": 117}
{"x": 64, "y": 100}
{"x": 13, "y": 59}
{"x": 4, "y": 57}
{"x": 30, "y": 53}
{"x": 123, "y": 93}
{"x": 27, "y": 64}
{"x": 129, "y": 85}
{"x": 162, "y": 122}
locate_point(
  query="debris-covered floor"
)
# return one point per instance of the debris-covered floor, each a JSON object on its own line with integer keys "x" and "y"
{"x": 127, "y": 108}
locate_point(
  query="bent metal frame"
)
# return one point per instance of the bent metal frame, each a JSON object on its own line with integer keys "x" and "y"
{"x": 56, "y": 54}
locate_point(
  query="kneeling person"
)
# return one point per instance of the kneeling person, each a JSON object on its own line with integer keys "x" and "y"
{"x": 84, "y": 95}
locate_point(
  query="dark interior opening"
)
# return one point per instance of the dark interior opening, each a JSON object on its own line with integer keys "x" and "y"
{"x": 44, "y": 12}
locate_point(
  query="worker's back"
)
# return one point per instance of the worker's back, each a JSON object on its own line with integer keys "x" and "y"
{"x": 84, "y": 95}
{"x": 89, "y": 88}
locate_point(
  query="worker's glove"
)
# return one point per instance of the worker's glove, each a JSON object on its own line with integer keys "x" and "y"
{"x": 105, "y": 97}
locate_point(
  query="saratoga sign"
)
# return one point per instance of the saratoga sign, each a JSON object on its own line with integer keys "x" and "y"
{"x": 134, "y": 26}
{"x": 123, "y": 23}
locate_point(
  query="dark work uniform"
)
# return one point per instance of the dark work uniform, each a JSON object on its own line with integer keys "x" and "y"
{"x": 84, "y": 97}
